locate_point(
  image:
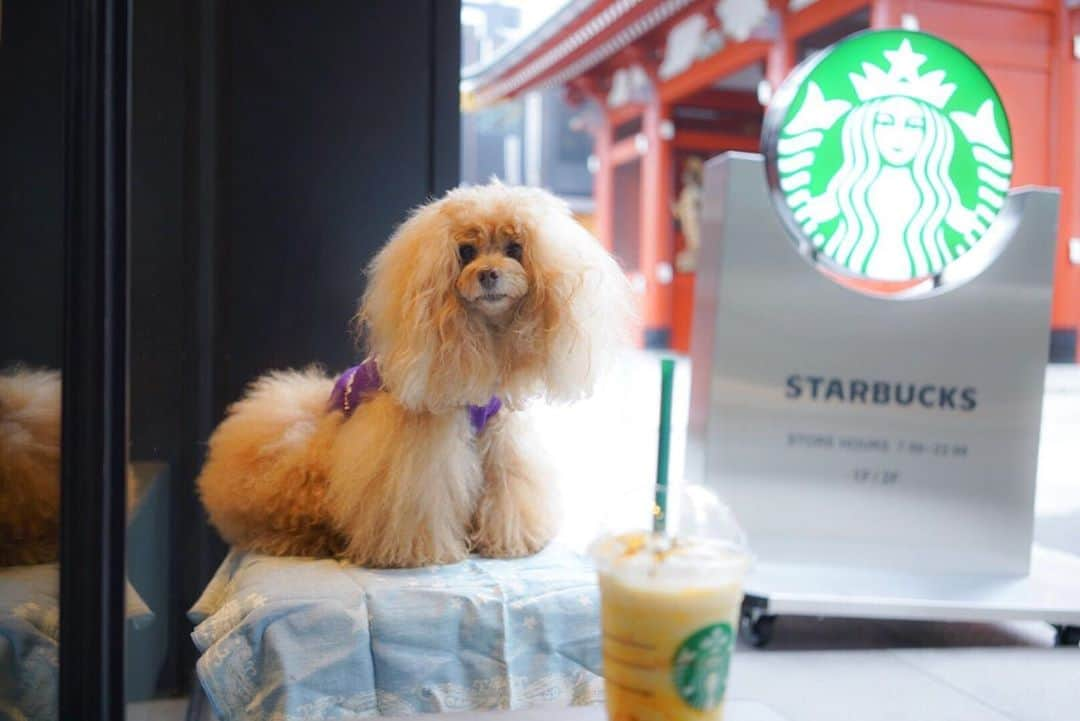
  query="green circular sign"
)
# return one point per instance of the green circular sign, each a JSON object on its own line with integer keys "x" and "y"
{"x": 889, "y": 155}
{"x": 700, "y": 667}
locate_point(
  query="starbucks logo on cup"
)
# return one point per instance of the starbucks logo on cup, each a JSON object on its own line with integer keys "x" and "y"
{"x": 889, "y": 155}
{"x": 700, "y": 666}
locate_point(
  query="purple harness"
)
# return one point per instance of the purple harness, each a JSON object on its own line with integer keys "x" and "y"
{"x": 361, "y": 381}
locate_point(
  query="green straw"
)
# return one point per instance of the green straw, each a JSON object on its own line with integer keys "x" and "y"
{"x": 663, "y": 453}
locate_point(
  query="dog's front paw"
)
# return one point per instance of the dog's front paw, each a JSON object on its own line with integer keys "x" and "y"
{"x": 508, "y": 545}
{"x": 419, "y": 550}
{"x": 503, "y": 531}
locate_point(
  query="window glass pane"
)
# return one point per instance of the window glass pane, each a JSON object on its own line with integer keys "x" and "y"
{"x": 32, "y": 54}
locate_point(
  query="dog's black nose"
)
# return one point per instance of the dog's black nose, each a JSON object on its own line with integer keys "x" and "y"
{"x": 488, "y": 278}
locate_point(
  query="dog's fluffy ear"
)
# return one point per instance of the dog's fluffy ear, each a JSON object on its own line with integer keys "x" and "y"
{"x": 432, "y": 355}
{"x": 584, "y": 301}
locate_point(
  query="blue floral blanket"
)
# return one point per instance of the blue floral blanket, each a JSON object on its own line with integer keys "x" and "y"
{"x": 293, "y": 639}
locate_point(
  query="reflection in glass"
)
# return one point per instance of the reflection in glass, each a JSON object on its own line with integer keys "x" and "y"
{"x": 29, "y": 466}
{"x": 32, "y": 38}
{"x": 29, "y": 537}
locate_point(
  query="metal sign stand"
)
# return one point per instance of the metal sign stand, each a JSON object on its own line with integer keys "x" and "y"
{"x": 1050, "y": 593}
{"x": 857, "y": 503}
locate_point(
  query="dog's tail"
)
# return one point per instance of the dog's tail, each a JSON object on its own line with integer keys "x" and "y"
{"x": 265, "y": 475}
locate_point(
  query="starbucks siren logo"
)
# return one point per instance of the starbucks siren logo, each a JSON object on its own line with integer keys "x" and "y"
{"x": 894, "y": 155}
{"x": 700, "y": 667}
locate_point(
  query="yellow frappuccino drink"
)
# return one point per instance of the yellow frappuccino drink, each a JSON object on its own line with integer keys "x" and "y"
{"x": 669, "y": 612}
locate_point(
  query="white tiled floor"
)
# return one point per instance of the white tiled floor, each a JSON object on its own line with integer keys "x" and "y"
{"x": 1024, "y": 684}
{"x": 860, "y": 685}
{"x": 895, "y": 671}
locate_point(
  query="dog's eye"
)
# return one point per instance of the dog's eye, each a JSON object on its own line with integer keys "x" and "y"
{"x": 514, "y": 251}
{"x": 467, "y": 253}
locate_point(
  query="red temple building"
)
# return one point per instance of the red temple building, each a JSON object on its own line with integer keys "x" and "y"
{"x": 667, "y": 80}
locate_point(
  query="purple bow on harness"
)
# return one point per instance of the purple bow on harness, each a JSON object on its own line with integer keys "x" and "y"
{"x": 355, "y": 384}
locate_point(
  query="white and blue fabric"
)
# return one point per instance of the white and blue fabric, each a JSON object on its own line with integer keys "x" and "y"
{"x": 29, "y": 631}
{"x": 29, "y": 639}
{"x": 294, "y": 639}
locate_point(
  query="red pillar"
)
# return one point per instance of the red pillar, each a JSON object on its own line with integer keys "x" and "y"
{"x": 781, "y": 57}
{"x": 604, "y": 184}
{"x": 657, "y": 251}
{"x": 1065, "y": 316}
{"x": 885, "y": 14}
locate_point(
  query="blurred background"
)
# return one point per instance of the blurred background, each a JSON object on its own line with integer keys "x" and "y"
{"x": 614, "y": 105}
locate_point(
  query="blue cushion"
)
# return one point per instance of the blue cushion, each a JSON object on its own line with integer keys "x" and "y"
{"x": 293, "y": 638}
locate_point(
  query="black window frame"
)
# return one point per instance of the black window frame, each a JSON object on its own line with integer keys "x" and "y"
{"x": 94, "y": 421}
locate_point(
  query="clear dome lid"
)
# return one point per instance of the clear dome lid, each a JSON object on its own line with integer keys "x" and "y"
{"x": 703, "y": 543}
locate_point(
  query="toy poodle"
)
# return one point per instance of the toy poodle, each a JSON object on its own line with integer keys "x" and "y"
{"x": 481, "y": 301}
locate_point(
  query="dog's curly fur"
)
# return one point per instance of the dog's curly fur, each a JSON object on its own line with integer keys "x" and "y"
{"x": 491, "y": 290}
{"x": 30, "y": 452}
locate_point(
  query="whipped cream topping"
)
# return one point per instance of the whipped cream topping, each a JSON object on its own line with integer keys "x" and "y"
{"x": 658, "y": 560}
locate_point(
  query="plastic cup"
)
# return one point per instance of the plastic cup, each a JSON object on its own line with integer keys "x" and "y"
{"x": 670, "y": 613}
